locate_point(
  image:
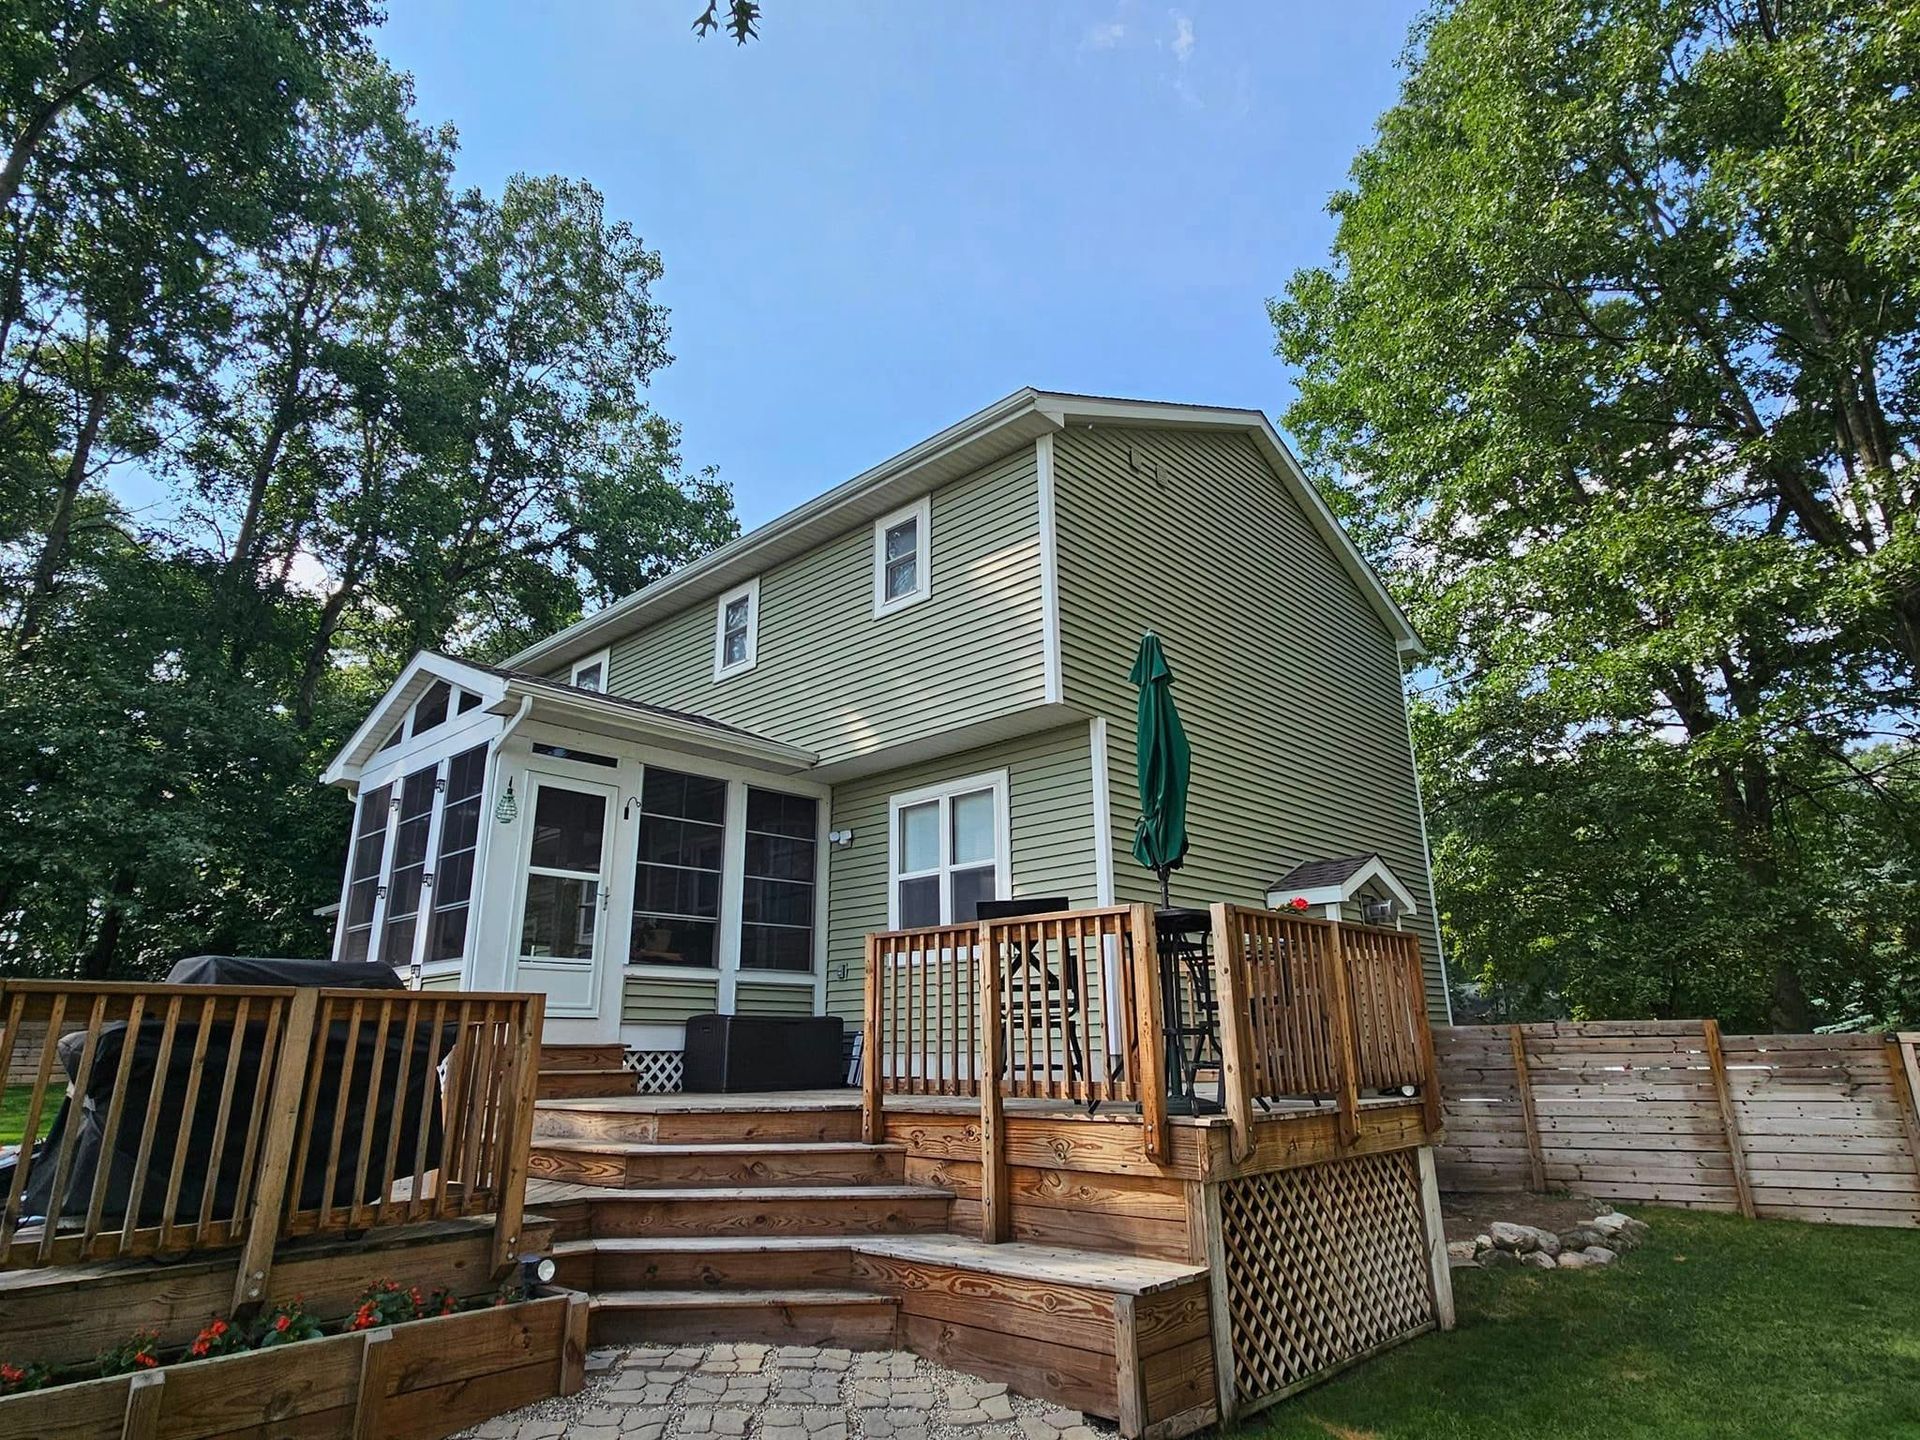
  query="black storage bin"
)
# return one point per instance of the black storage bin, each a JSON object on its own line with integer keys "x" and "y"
{"x": 732, "y": 1054}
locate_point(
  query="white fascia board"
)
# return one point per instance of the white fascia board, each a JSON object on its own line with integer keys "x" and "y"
{"x": 345, "y": 767}
{"x": 562, "y": 708}
{"x": 1374, "y": 869}
{"x": 742, "y": 554}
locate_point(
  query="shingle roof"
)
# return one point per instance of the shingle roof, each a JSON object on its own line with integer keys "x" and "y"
{"x": 1313, "y": 874}
{"x": 561, "y": 687}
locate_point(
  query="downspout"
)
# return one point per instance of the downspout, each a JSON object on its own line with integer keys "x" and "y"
{"x": 481, "y": 882}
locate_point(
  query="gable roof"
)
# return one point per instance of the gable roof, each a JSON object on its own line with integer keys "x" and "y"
{"x": 960, "y": 449}
{"x": 1338, "y": 880}
{"x": 501, "y": 692}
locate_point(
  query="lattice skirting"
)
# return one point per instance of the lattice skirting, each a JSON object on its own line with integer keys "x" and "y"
{"x": 1324, "y": 1263}
{"x": 657, "y": 1072}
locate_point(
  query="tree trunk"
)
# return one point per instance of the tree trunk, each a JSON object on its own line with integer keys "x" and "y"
{"x": 53, "y": 552}
{"x": 97, "y": 963}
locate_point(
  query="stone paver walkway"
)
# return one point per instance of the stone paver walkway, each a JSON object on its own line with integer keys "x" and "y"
{"x": 784, "y": 1392}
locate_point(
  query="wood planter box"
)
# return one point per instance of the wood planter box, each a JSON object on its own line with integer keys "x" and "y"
{"x": 417, "y": 1381}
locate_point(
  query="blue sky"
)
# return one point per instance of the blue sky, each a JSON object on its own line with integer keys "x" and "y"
{"x": 878, "y": 218}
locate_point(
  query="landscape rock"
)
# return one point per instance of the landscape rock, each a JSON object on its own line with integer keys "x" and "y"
{"x": 1517, "y": 1238}
{"x": 1538, "y": 1260}
{"x": 1571, "y": 1260}
{"x": 1461, "y": 1252}
{"x": 1497, "y": 1259}
{"x": 1600, "y": 1255}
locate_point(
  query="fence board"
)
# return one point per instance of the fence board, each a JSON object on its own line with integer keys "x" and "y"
{"x": 1810, "y": 1127}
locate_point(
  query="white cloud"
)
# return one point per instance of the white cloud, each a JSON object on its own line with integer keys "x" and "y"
{"x": 1182, "y": 35}
{"x": 1105, "y": 37}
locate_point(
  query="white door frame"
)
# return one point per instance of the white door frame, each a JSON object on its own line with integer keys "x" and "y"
{"x": 538, "y": 777}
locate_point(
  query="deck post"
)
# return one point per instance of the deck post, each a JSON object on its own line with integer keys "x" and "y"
{"x": 1523, "y": 1082}
{"x": 1236, "y": 1044}
{"x": 871, "y": 1121}
{"x": 1430, "y": 1096}
{"x": 1440, "y": 1274}
{"x": 1207, "y": 1245}
{"x": 995, "y": 1220}
{"x": 1345, "y": 1047}
{"x": 521, "y": 1091}
{"x": 276, "y": 1151}
{"x": 1151, "y": 1040}
{"x": 1903, "y": 1070}
{"x": 370, "y": 1396}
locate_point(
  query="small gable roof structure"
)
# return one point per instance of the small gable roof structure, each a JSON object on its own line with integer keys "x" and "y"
{"x": 1338, "y": 880}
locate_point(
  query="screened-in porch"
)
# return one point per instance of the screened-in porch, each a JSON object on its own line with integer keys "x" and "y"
{"x": 636, "y": 864}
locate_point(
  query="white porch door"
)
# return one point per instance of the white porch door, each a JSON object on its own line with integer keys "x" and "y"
{"x": 561, "y": 927}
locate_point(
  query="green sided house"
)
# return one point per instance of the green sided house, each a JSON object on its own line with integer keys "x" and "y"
{"x": 904, "y": 697}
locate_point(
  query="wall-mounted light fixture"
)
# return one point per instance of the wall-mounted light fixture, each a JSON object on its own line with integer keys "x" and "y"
{"x": 840, "y": 839}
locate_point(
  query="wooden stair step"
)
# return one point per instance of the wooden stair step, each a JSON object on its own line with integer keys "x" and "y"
{"x": 779, "y": 1262}
{"x": 585, "y": 1084}
{"x": 629, "y": 1164}
{"x": 768, "y": 1210}
{"x": 855, "y": 1319}
{"x": 644, "y": 1118}
{"x": 582, "y": 1057}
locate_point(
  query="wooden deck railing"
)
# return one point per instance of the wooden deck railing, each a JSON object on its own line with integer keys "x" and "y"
{"x": 1315, "y": 1009}
{"x": 1047, "y": 1007}
{"x": 235, "y": 1115}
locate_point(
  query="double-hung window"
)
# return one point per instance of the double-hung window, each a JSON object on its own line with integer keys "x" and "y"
{"x": 736, "y": 630}
{"x": 676, "y": 883}
{"x": 902, "y": 568}
{"x": 947, "y": 851}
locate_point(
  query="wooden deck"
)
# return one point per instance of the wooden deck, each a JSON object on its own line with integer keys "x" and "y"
{"x": 772, "y": 1217}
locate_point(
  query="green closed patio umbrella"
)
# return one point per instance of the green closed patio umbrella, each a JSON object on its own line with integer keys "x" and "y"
{"x": 1163, "y": 763}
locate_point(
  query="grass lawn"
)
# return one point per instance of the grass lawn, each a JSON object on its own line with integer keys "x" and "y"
{"x": 1717, "y": 1327}
{"x": 13, "y": 1113}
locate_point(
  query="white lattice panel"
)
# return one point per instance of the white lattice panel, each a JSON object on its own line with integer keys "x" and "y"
{"x": 656, "y": 1072}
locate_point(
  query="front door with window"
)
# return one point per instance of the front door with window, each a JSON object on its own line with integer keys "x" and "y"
{"x": 562, "y": 925}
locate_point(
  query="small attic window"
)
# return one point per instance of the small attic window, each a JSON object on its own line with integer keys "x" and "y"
{"x": 393, "y": 739}
{"x": 590, "y": 673}
{"x": 432, "y": 709}
{"x": 467, "y": 701}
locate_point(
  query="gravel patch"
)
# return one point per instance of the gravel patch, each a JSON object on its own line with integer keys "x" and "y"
{"x": 784, "y": 1392}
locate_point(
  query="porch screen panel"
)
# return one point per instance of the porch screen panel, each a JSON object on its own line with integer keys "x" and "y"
{"x": 676, "y": 889}
{"x": 369, "y": 850}
{"x": 409, "y": 865}
{"x": 776, "y": 930}
{"x": 453, "y": 866}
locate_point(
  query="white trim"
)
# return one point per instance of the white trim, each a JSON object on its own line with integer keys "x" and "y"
{"x": 944, "y": 793}
{"x": 1426, "y": 851}
{"x": 1049, "y": 569}
{"x": 423, "y": 916}
{"x": 921, "y": 513}
{"x": 401, "y": 696}
{"x": 1102, "y": 811}
{"x": 602, "y": 657}
{"x": 733, "y": 890}
{"x": 596, "y": 963}
{"x": 992, "y": 433}
{"x": 1374, "y": 869}
{"x": 750, "y": 592}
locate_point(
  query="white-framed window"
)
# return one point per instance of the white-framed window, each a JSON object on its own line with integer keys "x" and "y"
{"x": 902, "y": 558}
{"x": 736, "y": 630}
{"x": 590, "y": 673}
{"x": 947, "y": 850}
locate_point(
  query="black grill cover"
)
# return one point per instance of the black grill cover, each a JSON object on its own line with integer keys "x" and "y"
{"x": 344, "y": 1081}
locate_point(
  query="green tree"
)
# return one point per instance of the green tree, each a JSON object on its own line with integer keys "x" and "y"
{"x": 1615, "y": 370}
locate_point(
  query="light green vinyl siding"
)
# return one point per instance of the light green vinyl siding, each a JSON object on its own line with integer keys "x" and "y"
{"x": 1050, "y": 817}
{"x": 830, "y": 676}
{"x": 440, "y": 982}
{"x": 1287, "y": 678}
{"x": 751, "y": 999}
{"x": 668, "y": 1000}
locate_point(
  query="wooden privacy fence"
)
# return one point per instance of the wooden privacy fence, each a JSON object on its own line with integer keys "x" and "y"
{"x": 1317, "y": 1009}
{"x": 1807, "y": 1127}
{"x": 195, "y": 1117}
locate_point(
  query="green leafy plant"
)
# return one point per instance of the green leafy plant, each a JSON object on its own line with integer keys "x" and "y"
{"x": 15, "y": 1379}
{"x": 219, "y": 1336}
{"x": 286, "y": 1324}
{"x": 140, "y": 1351}
{"x": 385, "y": 1303}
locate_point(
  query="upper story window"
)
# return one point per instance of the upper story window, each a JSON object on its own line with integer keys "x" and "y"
{"x": 432, "y": 709}
{"x": 590, "y": 673}
{"x": 902, "y": 572}
{"x": 736, "y": 630}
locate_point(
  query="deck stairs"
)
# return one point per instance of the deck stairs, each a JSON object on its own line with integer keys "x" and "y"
{"x": 584, "y": 1072}
{"x": 758, "y": 1219}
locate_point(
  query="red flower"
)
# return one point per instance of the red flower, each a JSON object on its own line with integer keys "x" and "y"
{"x": 145, "y": 1361}
{"x": 1298, "y": 902}
{"x": 282, "y": 1323}
{"x": 11, "y": 1374}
